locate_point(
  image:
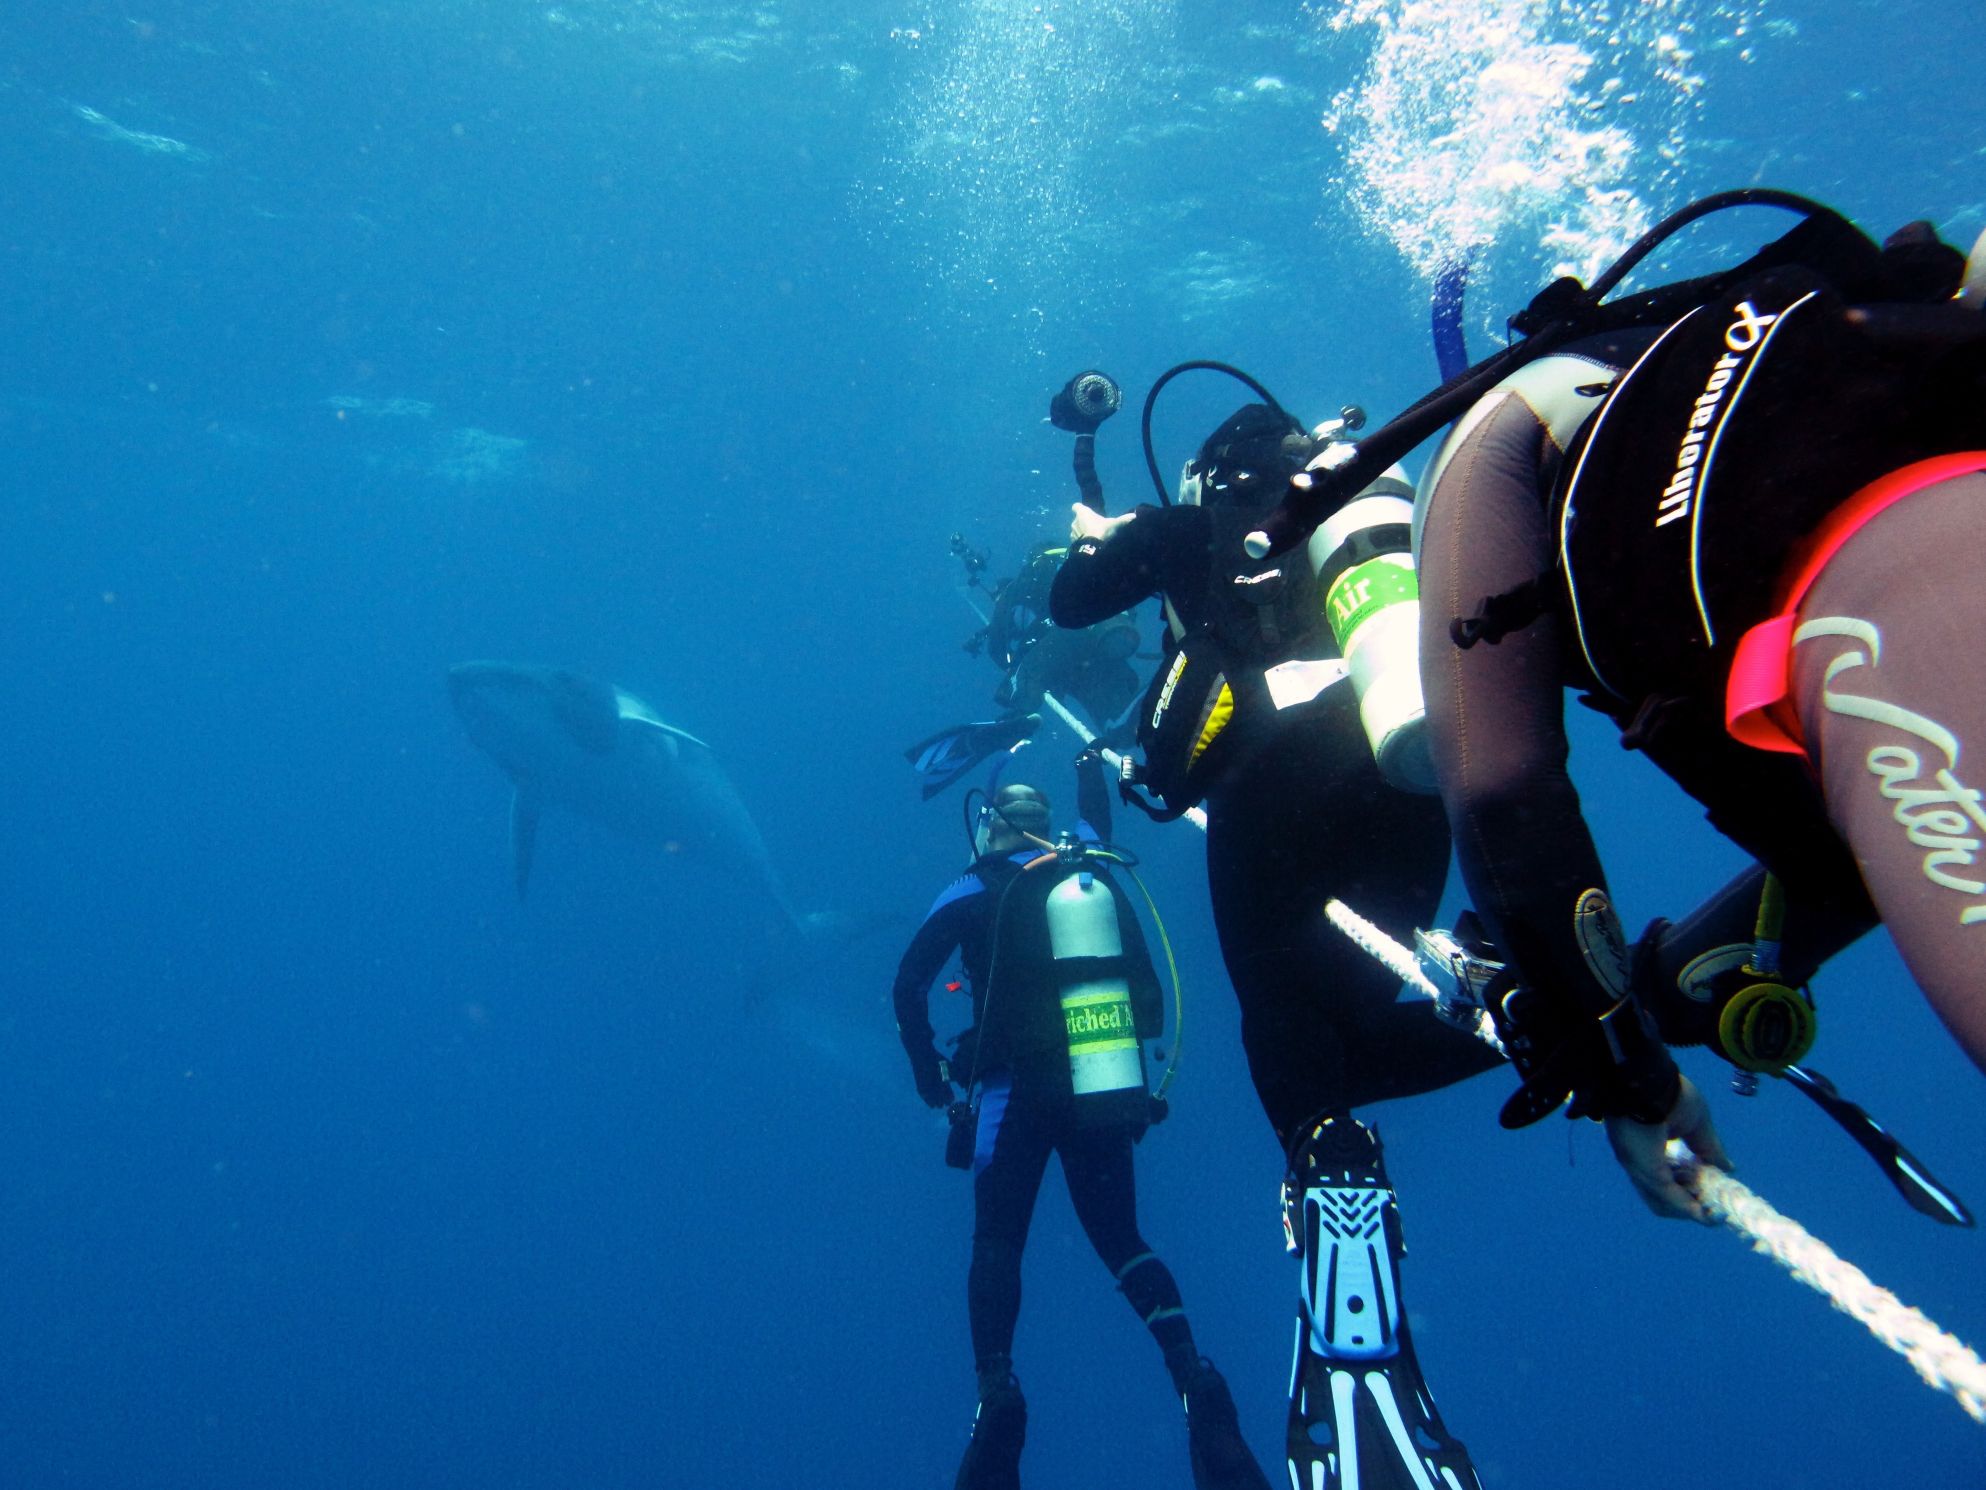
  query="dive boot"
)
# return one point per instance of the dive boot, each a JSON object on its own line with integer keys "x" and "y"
{"x": 1361, "y": 1417}
{"x": 993, "y": 1458}
{"x": 1220, "y": 1456}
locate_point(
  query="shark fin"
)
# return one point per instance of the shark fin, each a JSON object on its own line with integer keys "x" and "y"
{"x": 523, "y": 836}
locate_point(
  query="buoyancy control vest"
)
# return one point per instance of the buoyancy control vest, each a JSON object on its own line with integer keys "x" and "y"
{"x": 1211, "y": 690}
{"x": 1758, "y": 400}
{"x": 1715, "y": 453}
{"x": 1271, "y": 634}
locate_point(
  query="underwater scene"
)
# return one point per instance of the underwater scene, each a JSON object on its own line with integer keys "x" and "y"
{"x": 508, "y": 505}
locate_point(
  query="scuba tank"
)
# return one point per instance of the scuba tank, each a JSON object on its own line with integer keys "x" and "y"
{"x": 1363, "y": 555}
{"x": 1106, "y": 1059}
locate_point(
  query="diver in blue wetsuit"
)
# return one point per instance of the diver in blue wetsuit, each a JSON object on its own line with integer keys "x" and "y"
{"x": 1063, "y": 995}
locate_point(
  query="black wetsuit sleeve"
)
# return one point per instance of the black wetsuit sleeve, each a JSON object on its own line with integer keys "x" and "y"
{"x": 1101, "y": 577}
{"x": 923, "y": 960}
{"x": 1092, "y": 798}
{"x": 1497, "y": 727}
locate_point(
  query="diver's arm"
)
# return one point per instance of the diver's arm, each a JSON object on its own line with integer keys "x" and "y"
{"x": 1083, "y": 463}
{"x": 1103, "y": 575}
{"x": 1496, "y": 717}
{"x": 923, "y": 960}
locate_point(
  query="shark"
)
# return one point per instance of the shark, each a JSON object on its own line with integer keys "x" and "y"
{"x": 584, "y": 746}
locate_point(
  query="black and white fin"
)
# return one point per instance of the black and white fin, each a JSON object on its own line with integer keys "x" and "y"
{"x": 1360, "y": 1415}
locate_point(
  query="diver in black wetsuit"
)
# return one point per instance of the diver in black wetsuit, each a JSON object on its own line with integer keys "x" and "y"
{"x": 1748, "y": 533}
{"x": 1298, "y": 813}
{"x": 1091, "y": 667}
{"x": 1063, "y": 995}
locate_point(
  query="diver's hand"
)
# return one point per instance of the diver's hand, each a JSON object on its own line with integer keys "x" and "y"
{"x": 934, "y": 1081}
{"x": 1087, "y": 522}
{"x": 1641, "y": 1149}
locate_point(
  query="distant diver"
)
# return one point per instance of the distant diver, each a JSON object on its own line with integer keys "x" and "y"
{"x": 1063, "y": 997}
{"x": 1090, "y": 666}
{"x": 1287, "y": 700}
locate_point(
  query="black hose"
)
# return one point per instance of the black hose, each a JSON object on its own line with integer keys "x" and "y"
{"x": 1562, "y": 311}
{"x": 1145, "y": 424}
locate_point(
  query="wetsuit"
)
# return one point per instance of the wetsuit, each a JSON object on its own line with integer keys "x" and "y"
{"x": 1298, "y": 814}
{"x": 1303, "y": 815}
{"x": 1613, "y": 519}
{"x": 993, "y": 918}
{"x": 1090, "y": 667}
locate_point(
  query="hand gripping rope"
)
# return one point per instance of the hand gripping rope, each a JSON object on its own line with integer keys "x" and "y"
{"x": 1940, "y": 1358}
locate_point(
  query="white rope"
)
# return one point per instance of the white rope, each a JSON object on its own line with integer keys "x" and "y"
{"x": 1407, "y": 968}
{"x": 1940, "y": 1358}
{"x": 1197, "y": 816}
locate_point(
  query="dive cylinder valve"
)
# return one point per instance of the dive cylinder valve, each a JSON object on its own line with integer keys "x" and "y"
{"x": 1363, "y": 555}
{"x": 1106, "y": 1060}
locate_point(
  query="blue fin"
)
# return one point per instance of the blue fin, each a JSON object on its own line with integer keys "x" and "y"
{"x": 950, "y": 753}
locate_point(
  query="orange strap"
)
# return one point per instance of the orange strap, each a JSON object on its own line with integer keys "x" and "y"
{"x": 1757, "y": 704}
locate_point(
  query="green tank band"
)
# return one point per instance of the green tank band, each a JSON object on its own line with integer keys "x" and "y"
{"x": 1099, "y": 1021}
{"x": 1364, "y": 590}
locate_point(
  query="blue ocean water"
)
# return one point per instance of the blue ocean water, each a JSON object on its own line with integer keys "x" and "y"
{"x": 670, "y": 343}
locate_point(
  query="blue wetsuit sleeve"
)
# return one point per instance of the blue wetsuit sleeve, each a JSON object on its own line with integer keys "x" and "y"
{"x": 923, "y": 960}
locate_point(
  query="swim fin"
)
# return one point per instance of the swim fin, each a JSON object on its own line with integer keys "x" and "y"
{"x": 1360, "y": 1415}
{"x": 993, "y": 1458}
{"x": 1220, "y": 1456}
{"x": 950, "y": 753}
{"x": 1903, "y": 1169}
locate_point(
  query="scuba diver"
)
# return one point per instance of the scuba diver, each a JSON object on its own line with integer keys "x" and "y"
{"x": 1090, "y": 665}
{"x": 1737, "y": 513}
{"x": 1041, "y": 665}
{"x": 1287, "y": 700}
{"x": 1037, "y": 658}
{"x": 1063, "y": 997}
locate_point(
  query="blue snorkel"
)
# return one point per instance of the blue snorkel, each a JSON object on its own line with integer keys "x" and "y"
{"x": 1451, "y": 348}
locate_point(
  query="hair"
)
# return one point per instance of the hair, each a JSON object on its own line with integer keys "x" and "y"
{"x": 1264, "y": 441}
{"x": 1020, "y": 808}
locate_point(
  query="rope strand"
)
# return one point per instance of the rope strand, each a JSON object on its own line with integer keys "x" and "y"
{"x": 1941, "y": 1359}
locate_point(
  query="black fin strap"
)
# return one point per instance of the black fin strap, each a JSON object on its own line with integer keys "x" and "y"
{"x": 1499, "y": 615}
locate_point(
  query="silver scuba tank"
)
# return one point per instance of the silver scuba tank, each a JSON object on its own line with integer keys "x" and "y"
{"x": 1105, "y": 1055}
{"x": 1363, "y": 556}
